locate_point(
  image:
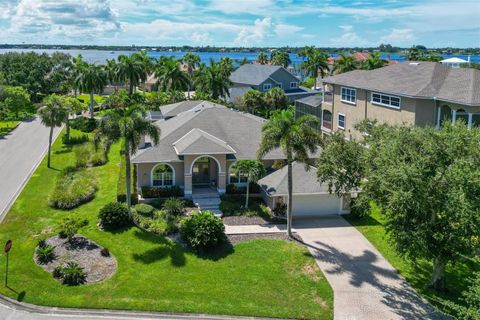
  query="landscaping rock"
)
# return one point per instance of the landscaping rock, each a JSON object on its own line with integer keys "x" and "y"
{"x": 86, "y": 253}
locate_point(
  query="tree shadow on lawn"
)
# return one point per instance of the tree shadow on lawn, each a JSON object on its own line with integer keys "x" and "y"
{"x": 366, "y": 220}
{"x": 166, "y": 248}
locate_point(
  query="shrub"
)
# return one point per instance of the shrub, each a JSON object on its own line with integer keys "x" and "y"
{"x": 203, "y": 230}
{"x": 173, "y": 207}
{"x": 153, "y": 223}
{"x": 280, "y": 210}
{"x": 69, "y": 227}
{"x": 122, "y": 184}
{"x": 114, "y": 215}
{"x": 45, "y": 254}
{"x": 167, "y": 192}
{"x": 74, "y": 188}
{"x": 144, "y": 209}
{"x": 265, "y": 212}
{"x": 84, "y": 124}
{"x": 87, "y": 155}
{"x": 42, "y": 243}
{"x": 57, "y": 272}
{"x": 75, "y": 139}
{"x": 73, "y": 274}
{"x": 231, "y": 189}
{"x": 105, "y": 252}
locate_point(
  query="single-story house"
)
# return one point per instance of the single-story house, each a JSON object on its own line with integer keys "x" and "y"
{"x": 310, "y": 198}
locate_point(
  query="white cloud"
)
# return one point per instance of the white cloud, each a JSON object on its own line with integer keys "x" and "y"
{"x": 202, "y": 38}
{"x": 283, "y": 30}
{"x": 399, "y": 37}
{"x": 349, "y": 38}
{"x": 258, "y": 7}
{"x": 249, "y": 35}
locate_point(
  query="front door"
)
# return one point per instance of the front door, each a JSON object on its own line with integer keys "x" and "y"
{"x": 201, "y": 172}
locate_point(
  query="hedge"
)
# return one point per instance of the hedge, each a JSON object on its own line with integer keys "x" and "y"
{"x": 74, "y": 188}
{"x": 233, "y": 189}
{"x": 167, "y": 192}
{"x": 122, "y": 184}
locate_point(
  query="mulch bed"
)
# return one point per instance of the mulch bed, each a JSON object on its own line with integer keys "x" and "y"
{"x": 244, "y": 220}
{"x": 237, "y": 238}
{"x": 86, "y": 253}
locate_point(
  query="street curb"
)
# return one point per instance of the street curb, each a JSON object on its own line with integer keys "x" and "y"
{"x": 105, "y": 313}
{"x": 24, "y": 182}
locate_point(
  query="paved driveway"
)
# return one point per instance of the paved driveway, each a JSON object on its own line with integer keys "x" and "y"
{"x": 20, "y": 153}
{"x": 365, "y": 285}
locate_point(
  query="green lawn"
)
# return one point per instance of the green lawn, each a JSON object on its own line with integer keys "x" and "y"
{"x": 417, "y": 274}
{"x": 86, "y": 98}
{"x": 7, "y": 126}
{"x": 259, "y": 278}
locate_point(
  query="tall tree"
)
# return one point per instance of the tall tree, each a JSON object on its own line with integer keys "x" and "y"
{"x": 78, "y": 66}
{"x": 253, "y": 169}
{"x": 192, "y": 62}
{"x": 15, "y": 99}
{"x": 212, "y": 80}
{"x": 297, "y": 139}
{"x": 147, "y": 63}
{"x": 426, "y": 182}
{"x": 344, "y": 64}
{"x": 52, "y": 114}
{"x": 280, "y": 58}
{"x": 91, "y": 79}
{"x": 131, "y": 70}
{"x": 262, "y": 58}
{"x": 253, "y": 102}
{"x": 170, "y": 76}
{"x": 111, "y": 70}
{"x": 315, "y": 62}
{"x": 275, "y": 99}
{"x": 127, "y": 123}
{"x": 226, "y": 66}
{"x": 374, "y": 62}
{"x": 72, "y": 106}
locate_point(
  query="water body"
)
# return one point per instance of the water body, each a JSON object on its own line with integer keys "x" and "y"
{"x": 100, "y": 56}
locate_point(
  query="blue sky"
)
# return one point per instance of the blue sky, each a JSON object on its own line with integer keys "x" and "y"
{"x": 324, "y": 23}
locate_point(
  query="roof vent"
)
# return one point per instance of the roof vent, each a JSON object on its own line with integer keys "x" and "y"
{"x": 414, "y": 63}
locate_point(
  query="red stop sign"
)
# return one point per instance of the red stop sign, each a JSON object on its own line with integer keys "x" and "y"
{"x": 8, "y": 246}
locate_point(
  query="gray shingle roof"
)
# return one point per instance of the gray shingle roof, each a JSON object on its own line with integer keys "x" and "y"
{"x": 304, "y": 182}
{"x": 241, "y": 131}
{"x": 197, "y": 141}
{"x": 418, "y": 80}
{"x": 253, "y": 74}
{"x": 314, "y": 101}
{"x": 171, "y": 110}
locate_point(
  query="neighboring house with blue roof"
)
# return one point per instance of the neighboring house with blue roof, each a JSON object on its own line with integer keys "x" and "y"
{"x": 263, "y": 78}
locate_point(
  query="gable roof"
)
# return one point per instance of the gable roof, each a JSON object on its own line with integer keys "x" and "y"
{"x": 171, "y": 110}
{"x": 304, "y": 182}
{"x": 197, "y": 141}
{"x": 426, "y": 80}
{"x": 240, "y": 131}
{"x": 253, "y": 74}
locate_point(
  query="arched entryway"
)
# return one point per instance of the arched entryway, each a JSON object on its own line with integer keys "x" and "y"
{"x": 205, "y": 172}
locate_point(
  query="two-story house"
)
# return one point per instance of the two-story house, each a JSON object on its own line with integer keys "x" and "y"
{"x": 263, "y": 78}
{"x": 417, "y": 93}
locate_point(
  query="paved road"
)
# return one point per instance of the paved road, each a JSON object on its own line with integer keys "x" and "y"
{"x": 365, "y": 284}
{"x": 20, "y": 153}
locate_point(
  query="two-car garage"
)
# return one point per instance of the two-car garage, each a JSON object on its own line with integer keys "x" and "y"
{"x": 310, "y": 198}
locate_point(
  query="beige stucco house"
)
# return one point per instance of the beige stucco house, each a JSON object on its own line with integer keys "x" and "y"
{"x": 417, "y": 93}
{"x": 200, "y": 141}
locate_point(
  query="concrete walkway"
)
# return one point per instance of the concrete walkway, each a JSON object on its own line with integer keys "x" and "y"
{"x": 260, "y": 228}
{"x": 12, "y": 310}
{"x": 20, "y": 153}
{"x": 365, "y": 285}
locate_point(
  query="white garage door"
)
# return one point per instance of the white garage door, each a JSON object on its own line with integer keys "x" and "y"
{"x": 315, "y": 205}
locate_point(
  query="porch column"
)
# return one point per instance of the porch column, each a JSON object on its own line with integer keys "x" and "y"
{"x": 187, "y": 189}
{"x": 222, "y": 182}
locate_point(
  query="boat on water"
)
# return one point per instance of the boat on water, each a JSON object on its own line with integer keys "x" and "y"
{"x": 112, "y": 52}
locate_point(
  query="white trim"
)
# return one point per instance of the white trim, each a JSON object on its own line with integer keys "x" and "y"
{"x": 239, "y": 184}
{"x": 265, "y": 86}
{"x": 384, "y": 104}
{"x": 348, "y": 101}
{"x": 279, "y": 85}
{"x": 206, "y": 155}
{"x": 296, "y": 85}
{"x": 153, "y": 169}
{"x": 344, "y": 120}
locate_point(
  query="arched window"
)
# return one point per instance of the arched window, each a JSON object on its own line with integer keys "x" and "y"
{"x": 163, "y": 175}
{"x": 327, "y": 119}
{"x": 236, "y": 177}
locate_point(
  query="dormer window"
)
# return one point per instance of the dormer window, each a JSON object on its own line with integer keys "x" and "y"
{"x": 267, "y": 86}
{"x": 293, "y": 85}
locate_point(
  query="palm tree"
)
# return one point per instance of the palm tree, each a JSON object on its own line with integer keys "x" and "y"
{"x": 374, "y": 62}
{"x": 192, "y": 61}
{"x": 280, "y": 58}
{"x": 128, "y": 124}
{"x": 73, "y": 106}
{"x": 297, "y": 138}
{"x": 131, "y": 70}
{"x": 147, "y": 63}
{"x": 314, "y": 61}
{"x": 52, "y": 114}
{"x": 111, "y": 70}
{"x": 78, "y": 65}
{"x": 212, "y": 80}
{"x": 170, "y": 76}
{"x": 344, "y": 64}
{"x": 415, "y": 54}
{"x": 253, "y": 169}
{"x": 91, "y": 79}
{"x": 226, "y": 66}
{"x": 276, "y": 99}
{"x": 253, "y": 101}
{"x": 262, "y": 58}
